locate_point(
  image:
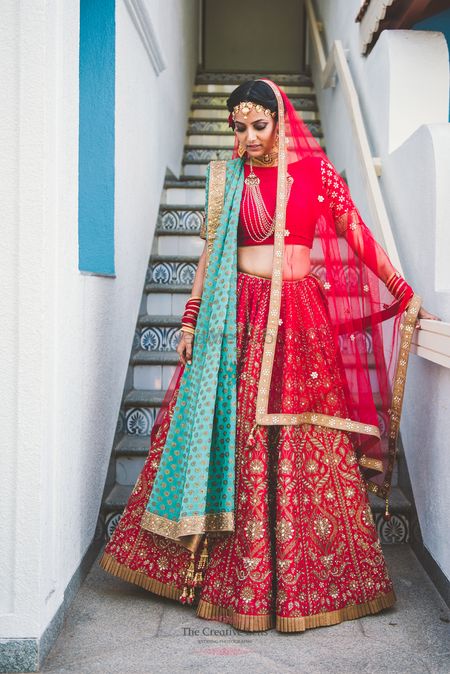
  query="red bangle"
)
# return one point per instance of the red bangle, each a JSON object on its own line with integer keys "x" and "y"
{"x": 191, "y": 311}
{"x": 397, "y": 286}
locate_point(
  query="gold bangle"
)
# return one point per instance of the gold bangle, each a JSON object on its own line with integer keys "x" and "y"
{"x": 185, "y": 328}
{"x": 195, "y": 297}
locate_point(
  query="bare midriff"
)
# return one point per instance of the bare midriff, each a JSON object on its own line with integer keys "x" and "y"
{"x": 258, "y": 260}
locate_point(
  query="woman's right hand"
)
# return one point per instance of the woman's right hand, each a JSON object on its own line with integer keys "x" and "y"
{"x": 184, "y": 348}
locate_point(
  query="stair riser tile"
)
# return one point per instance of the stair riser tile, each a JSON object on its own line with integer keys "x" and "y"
{"x": 158, "y": 338}
{"x": 139, "y": 420}
{"x": 211, "y": 127}
{"x": 166, "y": 304}
{"x": 207, "y": 113}
{"x": 167, "y": 273}
{"x": 394, "y": 532}
{"x": 204, "y": 154}
{"x": 194, "y": 170}
{"x": 180, "y": 245}
{"x": 211, "y": 140}
{"x": 234, "y": 79}
{"x": 176, "y": 219}
{"x": 163, "y": 338}
{"x": 228, "y": 88}
{"x": 300, "y": 102}
{"x": 128, "y": 469}
{"x": 397, "y": 530}
{"x": 155, "y": 377}
{"x": 151, "y": 376}
{"x": 175, "y": 196}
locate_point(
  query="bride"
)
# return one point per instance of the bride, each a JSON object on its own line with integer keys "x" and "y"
{"x": 284, "y": 409}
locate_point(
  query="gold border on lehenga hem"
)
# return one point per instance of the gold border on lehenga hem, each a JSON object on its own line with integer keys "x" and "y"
{"x": 241, "y": 621}
{"x": 111, "y": 565}
{"x": 295, "y": 624}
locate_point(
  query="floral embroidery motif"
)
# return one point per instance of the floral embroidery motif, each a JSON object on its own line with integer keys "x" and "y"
{"x": 322, "y": 527}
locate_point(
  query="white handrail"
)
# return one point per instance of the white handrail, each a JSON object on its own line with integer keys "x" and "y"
{"x": 432, "y": 341}
{"x": 336, "y": 63}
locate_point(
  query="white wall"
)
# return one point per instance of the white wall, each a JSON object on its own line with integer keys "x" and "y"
{"x": 403, "y": 91}
{"x": 423, "y": 162}
{"x": 66, "y": 337}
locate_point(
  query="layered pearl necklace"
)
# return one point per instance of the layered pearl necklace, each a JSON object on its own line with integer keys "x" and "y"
{"x": 256, "y": 217}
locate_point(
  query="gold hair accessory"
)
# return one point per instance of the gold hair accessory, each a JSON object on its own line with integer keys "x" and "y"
{"x": 247, "y": 106}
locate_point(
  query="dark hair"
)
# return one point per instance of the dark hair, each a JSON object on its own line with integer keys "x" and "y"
{"x": 255, "y": 91}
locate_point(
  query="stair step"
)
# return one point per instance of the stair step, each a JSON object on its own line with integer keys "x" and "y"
{"x": 306, "y": 100}
{"x": 175, "y": 288}
{"x": 203, "y": 154}
{"x": 152, "y": 397}
{"x": 223, "y": 88}
{"x": 147, "y": 397}
{"x": 160, "y": 231}
{"x": 160, "y": 320}
{"x": 132, "y": 446}
{"x": 152, "y": 357}
{"x": 186, "y": 195}
{"x": 282, "y": 79}
{"x": 186, "y": 182}
{"x": 220, "y": 127}
{"x": 143, "y": 357}
{"x": 220, "y": 114}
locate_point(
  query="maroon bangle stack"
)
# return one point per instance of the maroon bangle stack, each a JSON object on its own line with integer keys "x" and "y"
{"x": 191, "y": 311}
{"x": 398, "y": 287}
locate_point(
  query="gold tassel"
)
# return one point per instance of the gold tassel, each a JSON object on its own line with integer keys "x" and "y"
{"x": 204, "y": 554}
{"x": 186, "y": 598}
{"x": 194, "y": 577}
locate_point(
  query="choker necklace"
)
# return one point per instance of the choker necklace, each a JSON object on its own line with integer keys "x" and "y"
{"x": 256, "y": 217}
{"x": 269, "y": 159}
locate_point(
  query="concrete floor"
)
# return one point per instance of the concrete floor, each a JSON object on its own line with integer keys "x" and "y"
{"x": 114, "y": 627}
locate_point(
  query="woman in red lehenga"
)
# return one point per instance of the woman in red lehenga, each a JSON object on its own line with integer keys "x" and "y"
{"x": 299, "y": 548}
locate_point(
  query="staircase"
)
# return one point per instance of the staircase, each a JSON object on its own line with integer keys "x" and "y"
{"x": 176, "y": 249}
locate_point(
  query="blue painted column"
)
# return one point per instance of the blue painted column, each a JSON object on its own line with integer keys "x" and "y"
{"x": 96, "y": 137}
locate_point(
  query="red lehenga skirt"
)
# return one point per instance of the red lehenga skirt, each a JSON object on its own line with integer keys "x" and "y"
{"x": 305, "y": 551}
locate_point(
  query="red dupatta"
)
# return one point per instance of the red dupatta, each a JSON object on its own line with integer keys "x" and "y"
{"x": 372, "y": 332}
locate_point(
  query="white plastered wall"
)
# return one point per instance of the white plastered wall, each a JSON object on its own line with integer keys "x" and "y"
{"x": 66, "y": 336}
{"x": 403, "y": 92}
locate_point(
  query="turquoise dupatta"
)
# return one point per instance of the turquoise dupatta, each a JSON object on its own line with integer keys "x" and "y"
{"x": 193, "y": 491}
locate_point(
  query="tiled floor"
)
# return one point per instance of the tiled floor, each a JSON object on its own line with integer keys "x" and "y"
{"x": 115, "y": 627}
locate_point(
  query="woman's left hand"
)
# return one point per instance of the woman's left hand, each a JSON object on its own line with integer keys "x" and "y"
{"x": 423, "y": 313}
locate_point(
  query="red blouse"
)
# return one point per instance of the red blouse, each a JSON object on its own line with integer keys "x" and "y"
{"x": 303, "y": 206}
